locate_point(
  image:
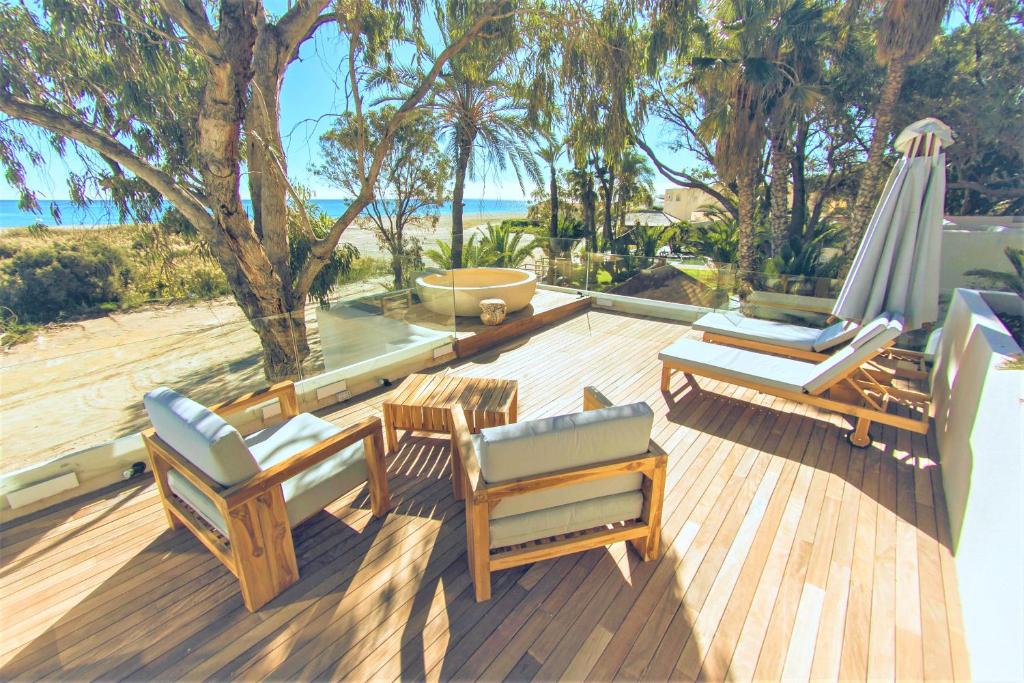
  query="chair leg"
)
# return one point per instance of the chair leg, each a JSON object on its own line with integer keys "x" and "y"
{"x": 649, "y": 546}
{"x": 261, "y": 542}
{"x": 478, "y": 549}
{"x": 457, "y": 474}
{"x": 377, "y": 472}
{"x": 159, "y": 468}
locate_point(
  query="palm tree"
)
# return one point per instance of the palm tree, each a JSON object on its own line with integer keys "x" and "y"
{"x": 634, "y": 183}
{"x": 581, "y": 185}
{"x": 485, "y": 123}
{"x": 738, "y": 79}
{"x": 802, "y": 52}
{"x": 1013, "y": 282}
{"x": 904, "y": 36}
{"x": 472, "y": 254}
{"x": 549, "y": 152}
{"x": 505, "y": 249}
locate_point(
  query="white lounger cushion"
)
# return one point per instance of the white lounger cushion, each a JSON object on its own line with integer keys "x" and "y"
{"x": 745, "y": 366}
{"x": 780, "y": 334}
{"x": 834, "y": 335}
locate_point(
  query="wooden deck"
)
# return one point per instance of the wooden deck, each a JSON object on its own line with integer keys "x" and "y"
{"x": 787, "y": 554}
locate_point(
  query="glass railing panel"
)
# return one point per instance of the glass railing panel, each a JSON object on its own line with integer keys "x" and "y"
{"x": 798, "y": 299}
{"x": 373, "y": 323}
{"x": 78, "y": 386}
{"x": 692, "y": 282}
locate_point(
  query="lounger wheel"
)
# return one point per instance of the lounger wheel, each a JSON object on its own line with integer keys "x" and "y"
{"x": 860, "y": 437}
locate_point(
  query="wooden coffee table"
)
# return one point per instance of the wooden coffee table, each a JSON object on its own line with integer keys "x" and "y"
{"x": 423, "y": 403}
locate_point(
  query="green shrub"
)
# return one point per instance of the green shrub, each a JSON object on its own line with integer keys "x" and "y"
{"x": 56, "y": 280}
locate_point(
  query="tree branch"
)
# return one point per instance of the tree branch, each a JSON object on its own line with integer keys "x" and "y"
{"x": 684, "y": 179}
{"x": 299, "y": 24}
{"x": 191, "y": 17}
{"x": 1000, "y": 192}
{"x": 101, "y": 142}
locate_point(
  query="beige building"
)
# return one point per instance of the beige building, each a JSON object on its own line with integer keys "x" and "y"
{"x": 684, "y": 203}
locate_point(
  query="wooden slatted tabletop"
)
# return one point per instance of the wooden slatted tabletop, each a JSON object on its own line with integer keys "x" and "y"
{"x": 422, "y": 403}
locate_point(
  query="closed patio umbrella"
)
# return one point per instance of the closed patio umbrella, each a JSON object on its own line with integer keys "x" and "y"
{"x": 896, "y": 268}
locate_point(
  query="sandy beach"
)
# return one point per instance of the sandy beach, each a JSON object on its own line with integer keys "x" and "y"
{"x": 363, "y": 237}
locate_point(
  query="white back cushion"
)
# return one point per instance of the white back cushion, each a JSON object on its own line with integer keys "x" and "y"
{"x": 852, "y": 356}
{"x": 200, "y": 435}
{"x": 536, "y": 447}
{"x": 870, "y": 330}
{"x": 834, "y": 335}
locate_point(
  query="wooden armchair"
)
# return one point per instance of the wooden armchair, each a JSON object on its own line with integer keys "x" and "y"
{"x": 575, "y": 481}
{"x": 242, "y": 496}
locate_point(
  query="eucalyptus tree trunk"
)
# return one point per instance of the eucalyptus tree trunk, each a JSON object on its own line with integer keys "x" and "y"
{"x": 463, "y": 150}
{"x": 396, "y": 264}
{"x": 867, "y": 193}
{"x": 608, "y": 192}
{"x": 588, "y": 200}
{"x": 253, "y": 254}
{"x": 781, "y": 161}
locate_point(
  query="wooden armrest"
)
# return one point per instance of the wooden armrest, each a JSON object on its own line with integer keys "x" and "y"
{"x": 463, "y": 443}
{"x": 594, "y": 399}
{"x": 299, "y": 462}
{"x": 284, "y": 392}
{"x": 644, "y": 464}
{"x": 196, "y": 476}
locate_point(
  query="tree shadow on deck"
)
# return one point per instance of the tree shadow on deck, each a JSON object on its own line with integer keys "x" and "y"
{"x": 19, "y": 538}
{"x": 171, "y": 605}
{"x": 898, "y": 455}
{"x": 539, "y": 615}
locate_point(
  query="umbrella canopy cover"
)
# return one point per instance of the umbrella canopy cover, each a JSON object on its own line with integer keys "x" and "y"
{"x": 896, "y": 268}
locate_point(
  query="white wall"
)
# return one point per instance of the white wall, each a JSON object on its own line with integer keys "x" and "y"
{"x": 979, "y": 427}
{"x": 970, "y": 242}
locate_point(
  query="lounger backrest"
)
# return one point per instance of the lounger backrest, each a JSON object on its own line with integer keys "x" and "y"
{"x": 872, "y": 338}
{"x": 834, "y": 335}
{"x": 200, "y": 435}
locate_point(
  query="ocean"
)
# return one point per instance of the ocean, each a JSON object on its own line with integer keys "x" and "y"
{"x": 102, "y": 213}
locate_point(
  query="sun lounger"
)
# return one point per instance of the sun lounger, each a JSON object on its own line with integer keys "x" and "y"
{"x": 839, "y": 383}
{"x": 797, "y": 341}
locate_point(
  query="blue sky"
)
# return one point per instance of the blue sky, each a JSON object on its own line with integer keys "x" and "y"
{"x": 309, "y": 95}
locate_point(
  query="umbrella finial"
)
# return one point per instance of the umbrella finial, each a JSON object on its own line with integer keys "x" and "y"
{"x": 942, "y": 133}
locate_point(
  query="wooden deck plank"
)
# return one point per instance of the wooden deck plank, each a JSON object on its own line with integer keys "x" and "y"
{"x": 786, "y": 553}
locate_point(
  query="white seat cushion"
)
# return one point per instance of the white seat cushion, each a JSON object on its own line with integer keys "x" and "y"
{"x": 564, "y": 519}
{"x": 741, "y": 365}
{"x": 304, "y": 494}
{"x": 312, "y": 490}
